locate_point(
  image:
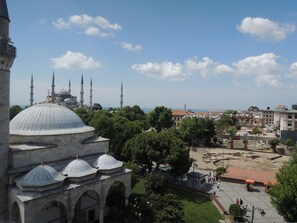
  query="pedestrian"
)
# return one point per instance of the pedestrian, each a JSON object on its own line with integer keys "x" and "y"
{"x": 218, "y": 185}
{"x": 237, "y": 201}
{"x": 240, "y": 202}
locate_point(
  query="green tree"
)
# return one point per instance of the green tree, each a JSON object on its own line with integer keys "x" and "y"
{"x": 288, "y": 142}
{"x": 154, "y": 182}
{"x": 132, "y": 113}
{"x": 283, "y": 194}
{"x": 160, "y": 118}
{"x": 294, "y": 106}
{"x": 14, "y": 110}
{"x": 103, "y": 124}
{"x": 236, "y": 210}
{"x": 256, "y": 131}
{"x": 193, "y": 130}
{"x": 273, "y": 144}
{"x": 85, "y": 115}
{"x": 158, "y": 147}
{"x": 96, "y": 107}
{"x": 232, "y": 133}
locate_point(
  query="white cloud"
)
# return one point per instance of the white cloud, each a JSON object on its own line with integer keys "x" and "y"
{"x": 163, "y": 71}
{"x": 207, "y": 67}
{"x": 92, "y": 25}
{"x": 265, "y": 29}
{"x": 94, "y": 31}
{"x": 293, "y": 70}
{"x": 105, "y": 24}
{"x": 264, "y": 68}
{"x": 131, "y": 47}
{"x": 72, "y": 60}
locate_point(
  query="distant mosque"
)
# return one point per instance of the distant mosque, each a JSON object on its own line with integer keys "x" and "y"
{"x": 64, "y": 97}
{"x": 53, "y": 168}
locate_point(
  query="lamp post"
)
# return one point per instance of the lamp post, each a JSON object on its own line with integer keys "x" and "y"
{"x": 262, "y": 212}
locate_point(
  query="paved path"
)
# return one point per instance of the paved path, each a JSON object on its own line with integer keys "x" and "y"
{"x": 229, "y": 192}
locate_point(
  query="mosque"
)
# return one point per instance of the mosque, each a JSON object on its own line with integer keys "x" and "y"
{"x": 53, "y": 168}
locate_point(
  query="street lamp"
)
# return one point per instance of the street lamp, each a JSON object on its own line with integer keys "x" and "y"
{"x": 262, "y": 212}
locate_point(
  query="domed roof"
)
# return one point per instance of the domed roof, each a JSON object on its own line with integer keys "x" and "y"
{"x": 63, "y": 92}
{"x": 78, "y": 168}
{"x": 47, "y": 119}
{"x": 107, "y": 162}
{"x": 42, "y": 175}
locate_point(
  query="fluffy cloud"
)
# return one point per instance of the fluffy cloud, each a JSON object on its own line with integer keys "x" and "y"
{"x": 265, "y": 29}
{"x": 91, "y": 25}
{"x": 293, "y": 70}
{"x": 263, "y": 70}
{"x": 131, "y": 47}
{"x": 207, "y": 67}
{"x": 72, "y": 60}
{"x": 178, "y": 72}
{"x": 162, "y": 71}
{"x": 94, "y": 31}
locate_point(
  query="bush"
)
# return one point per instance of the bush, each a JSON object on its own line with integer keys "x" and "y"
{"x": 236, "y": 210}
{"x": 220, "y": 170}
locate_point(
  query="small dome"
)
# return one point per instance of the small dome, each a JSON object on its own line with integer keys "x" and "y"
{"x": 107, "y": 162}
{"x": 42, "y": 175}
{"x": 47, "y": 119}
{"x": 78, "y": 168}
{"x": 63, "y": 92}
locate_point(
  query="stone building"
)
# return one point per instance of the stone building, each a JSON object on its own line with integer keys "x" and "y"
{"x": 52, "y": 167}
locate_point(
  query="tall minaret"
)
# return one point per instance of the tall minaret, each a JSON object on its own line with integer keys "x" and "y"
{"x": 122, "y": 95}
{"x": 31, "y": 91}
{"x": 69, "y": 89}
{"x": 91, "y": 94}
{"x": 53, "y": 88}
{"x": 81, "y": 104}
{"x": 7, "y": 56}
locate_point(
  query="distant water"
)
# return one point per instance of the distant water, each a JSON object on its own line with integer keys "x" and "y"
{"x": 147, "y": 110}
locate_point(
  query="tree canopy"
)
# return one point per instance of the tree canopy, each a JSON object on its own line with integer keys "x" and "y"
{"x": 160, "y": 118}
{"x": 194, "y": 130}
{"x": 158, "y": 147}
{"x": 14, "y": 110}
{"x": 284, "y": 193}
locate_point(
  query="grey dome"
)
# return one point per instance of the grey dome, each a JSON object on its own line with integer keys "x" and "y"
{"x": 78, "y": 168}
{"x": 107, "y": 162}
{"x": 63, "y": 92}
{"x": 42, "y": 175}
{"x": 47, "y": 119}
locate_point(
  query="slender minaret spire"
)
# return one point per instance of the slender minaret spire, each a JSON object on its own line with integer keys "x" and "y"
{"x": 53, "y": 88}
{"x": 122, "y": 95}
{"x": 81, "y": 105}
{"x": 31, "y": 91}
{"x": 69, "y": 90}
{"x": 7, "y": 56}
{"x": 91, "y": 94}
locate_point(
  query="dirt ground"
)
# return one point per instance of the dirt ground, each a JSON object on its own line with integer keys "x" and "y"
{"x": 211, "y": 158}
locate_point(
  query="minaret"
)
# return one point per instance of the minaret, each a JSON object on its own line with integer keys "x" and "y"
{"x": 91, "y": 94}
{"x": 31, "y": 91}
{"x": 53, "y": 88}
{"x": 121, "y": 103}
{"x": 7, "y": 56}
{"x": 81, "y": 104}
{"x": 69, "y": 90}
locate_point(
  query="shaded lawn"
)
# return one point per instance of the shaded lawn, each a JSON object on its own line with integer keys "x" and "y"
{"x": 198, "y": 208}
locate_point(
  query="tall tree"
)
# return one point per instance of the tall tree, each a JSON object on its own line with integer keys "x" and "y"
{"x": 232, "y": 133}
{"x": 284, "y": 193}
{"x": 160, "y": 118}
{"x": 14, "y": 110}
{"x": 273, "y": 143}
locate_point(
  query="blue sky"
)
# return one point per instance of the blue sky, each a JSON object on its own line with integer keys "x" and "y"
{"x": 205, "y": 54}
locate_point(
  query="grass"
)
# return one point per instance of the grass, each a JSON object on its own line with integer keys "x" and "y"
{"x": 197, "y": 208}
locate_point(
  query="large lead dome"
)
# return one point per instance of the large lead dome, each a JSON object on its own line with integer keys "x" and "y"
{"x": 47, "y": 119}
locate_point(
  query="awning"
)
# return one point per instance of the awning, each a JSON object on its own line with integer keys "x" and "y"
{"x": 266, "y": 183}
{"x": 249, "y": 181}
